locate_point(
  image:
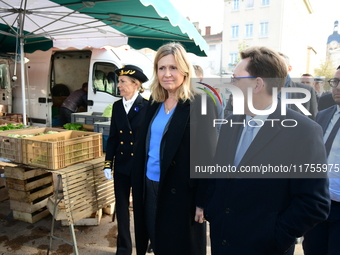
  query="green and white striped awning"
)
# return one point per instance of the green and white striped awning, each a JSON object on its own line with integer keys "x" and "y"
{"x": 72, "y": 23}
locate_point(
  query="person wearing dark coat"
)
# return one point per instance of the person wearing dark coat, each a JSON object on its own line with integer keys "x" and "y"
{"x": 325, "y": 101}
{"x": 168, "y": 204}
{"x": 312, "y": 104}
{"x": 72, "y": 103}
{"x": 262, "y": 213}
{"x": 324, "y": 238}
{"x": 127, "y": 117}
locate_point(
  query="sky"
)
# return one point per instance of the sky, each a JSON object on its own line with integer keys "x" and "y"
{"x": 206, "y": 12}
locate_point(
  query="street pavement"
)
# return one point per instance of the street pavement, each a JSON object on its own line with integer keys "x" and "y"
{"x": 21, "y": 238}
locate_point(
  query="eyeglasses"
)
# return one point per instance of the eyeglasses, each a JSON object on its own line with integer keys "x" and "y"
{"x": 334, "y": 82}
{"x": 233, "y": 79}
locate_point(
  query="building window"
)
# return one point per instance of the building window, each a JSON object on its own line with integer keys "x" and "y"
{"x": 264, "y": 28}
{"x": 236, "y": 4}
{"x": 265, "y": 2}
{"x": 212, "y": 47}
{"x": 249, "y": 30}
{"x": 234, "y": 31}
{"x": 233, "y": 58}
{"x": 250, "y": 4}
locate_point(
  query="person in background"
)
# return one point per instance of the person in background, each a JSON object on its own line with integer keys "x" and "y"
{"x": 252, "y": 213}
{"x": 167, "y": 203}
{"x": 127, "y": 116}
{"x": 210, "y": 91}
{"x": 307, "y": 79}
{"x": 71, "y": 104}
{"x": 312, "y": 104}
{"x": 229, "y": 107}
{"x": 326, "y": 100}
{"x": 318, "y": 85}
{"x": 325, "y": 237}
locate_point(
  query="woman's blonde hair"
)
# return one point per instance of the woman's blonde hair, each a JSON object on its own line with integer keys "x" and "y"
{"x": 185, "y": 91}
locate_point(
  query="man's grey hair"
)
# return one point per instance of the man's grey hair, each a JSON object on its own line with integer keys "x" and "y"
{"x": 286, "y": 58}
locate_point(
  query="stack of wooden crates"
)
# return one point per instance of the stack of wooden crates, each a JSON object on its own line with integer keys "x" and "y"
{"x": 30, "y": 183}
{"x": 3, "y": 187}
{"x": 28, "y": 189}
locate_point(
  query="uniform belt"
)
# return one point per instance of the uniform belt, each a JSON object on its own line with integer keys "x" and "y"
{"x": 335, "y": 202}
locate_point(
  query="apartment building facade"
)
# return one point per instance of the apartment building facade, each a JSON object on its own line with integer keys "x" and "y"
{"x": 277, "y": 24}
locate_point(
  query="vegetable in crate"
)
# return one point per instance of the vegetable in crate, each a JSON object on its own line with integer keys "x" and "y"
{"x": 24, "y": 136}
{"x": 74, "y": 126}
{"x": 10, "y": 126}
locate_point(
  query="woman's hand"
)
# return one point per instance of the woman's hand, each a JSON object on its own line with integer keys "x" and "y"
{"x": 108, "y": 173}
{"x": 199, "y": 215}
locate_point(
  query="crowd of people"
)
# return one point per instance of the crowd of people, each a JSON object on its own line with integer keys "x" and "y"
{"x": 153, "y": 145}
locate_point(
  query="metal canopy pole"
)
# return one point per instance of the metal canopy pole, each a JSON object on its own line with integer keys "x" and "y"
{"x": 23, "y": 84}
{"x": 22, "y": 63}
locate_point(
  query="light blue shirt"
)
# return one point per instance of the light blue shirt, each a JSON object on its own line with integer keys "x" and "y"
{"x": 259, "y": 119}
{"x": 334, "y": 158}
{"x": 158, "y": 125}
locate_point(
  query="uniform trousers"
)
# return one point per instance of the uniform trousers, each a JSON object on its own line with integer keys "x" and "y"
{"x": 122, "y": 184}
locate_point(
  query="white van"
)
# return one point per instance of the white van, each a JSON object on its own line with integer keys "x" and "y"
{"x": 52, "y": 75}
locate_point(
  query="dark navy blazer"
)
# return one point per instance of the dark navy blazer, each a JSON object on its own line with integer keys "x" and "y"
{"x": 261, "y": 216}
{"x": 124, "y": 131}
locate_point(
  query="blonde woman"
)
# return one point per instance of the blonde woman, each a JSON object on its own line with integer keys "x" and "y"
{"x": 168, "y": 204}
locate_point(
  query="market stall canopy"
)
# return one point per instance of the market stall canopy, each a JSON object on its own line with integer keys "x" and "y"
{"x": 43, "y": 24}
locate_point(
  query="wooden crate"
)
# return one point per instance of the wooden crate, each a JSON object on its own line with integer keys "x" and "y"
{"x": 110, "y": 209}
{"x": 93, "y": 220}
{"x": 30, "y": 196}
{"x": 28, "y": 190}
{"x": 4, "y": 122}
{"x": 60, "y": 150}
{"x": 3, "y": 187}
{"x": 11, "y": 147}
{"x": 85, "y": 190}
{"x": 15, "y": 117}
{"x": 28, "y": 207}
{"x": 60, "y": 209}
{"x": 22, "y": 172}
{"x": 30, "y": 184}
{"x": 3, "y": 193}
{"x": 31, "y": 217}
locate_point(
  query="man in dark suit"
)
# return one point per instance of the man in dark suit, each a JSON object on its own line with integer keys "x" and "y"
{"x": 312, "y": 104}
{"x": 251, "y": 213}
{"x": 325, "y": 237}
{"x": 325, "y": 101}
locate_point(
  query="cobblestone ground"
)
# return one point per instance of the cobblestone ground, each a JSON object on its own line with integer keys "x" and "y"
{"x": 21, "y": 238}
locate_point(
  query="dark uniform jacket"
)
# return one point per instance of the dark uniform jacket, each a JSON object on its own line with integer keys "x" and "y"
{"x": 124, "y": 130}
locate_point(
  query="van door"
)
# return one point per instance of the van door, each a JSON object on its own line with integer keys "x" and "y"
{"x": 102, "y": 89}
{"x": 70, "y": 69}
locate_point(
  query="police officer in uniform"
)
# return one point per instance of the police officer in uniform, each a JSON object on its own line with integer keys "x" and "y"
{"x": 127, "y": 116}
